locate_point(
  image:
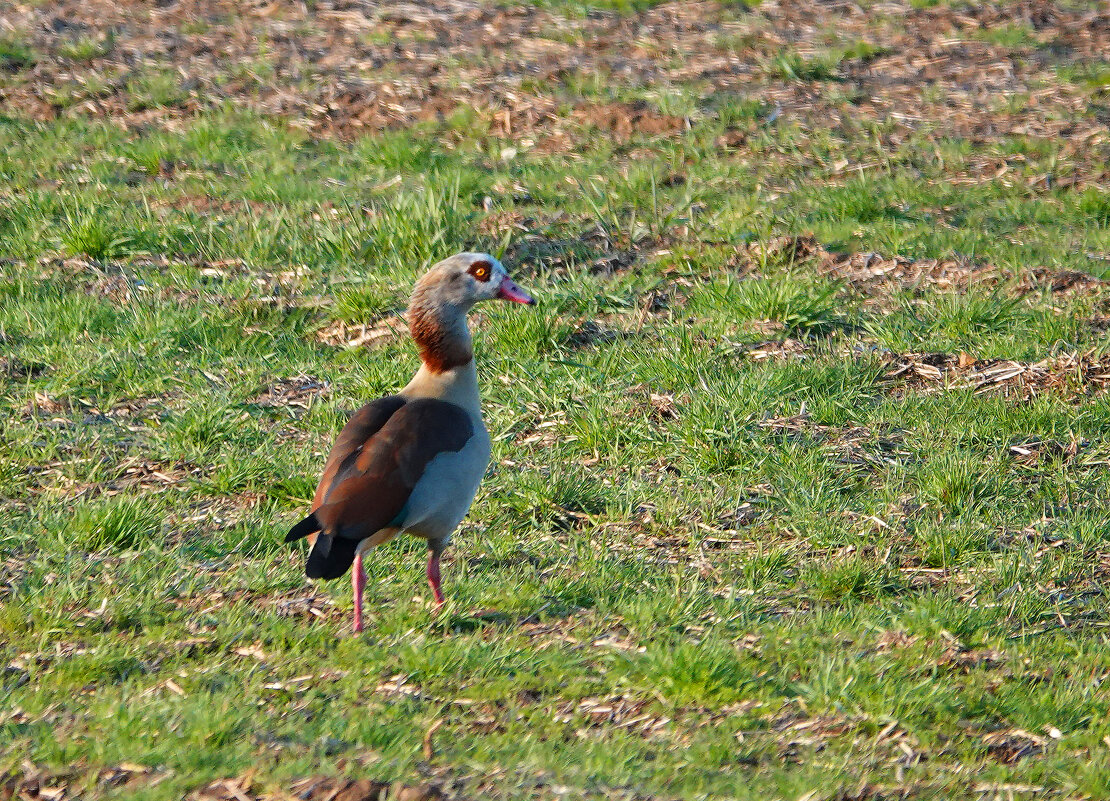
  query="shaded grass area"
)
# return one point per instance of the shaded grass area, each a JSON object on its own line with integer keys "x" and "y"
{"x": 723, "y": 551}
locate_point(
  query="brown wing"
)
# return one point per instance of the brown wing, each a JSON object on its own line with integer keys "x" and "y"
{"x": 364, "y": 424}
{"x": 367, "y": 484}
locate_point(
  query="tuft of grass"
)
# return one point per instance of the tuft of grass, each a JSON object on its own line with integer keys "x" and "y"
{"x": 862, "y": 200}
{"x": 789, "y": 65}
{"x": 417, "y": 228}
{"x": 88, "y": 233}
{"x": 15, "y": 55}
{"x": 199, "y": 432}
{"x": 734, "y": 111}
{"x": 769, "y": 567}
{"x": 85, "y": 47}
{"x": 964, "y": 318}
{"x": 152, "y": 154}
{"x": 1095, "y": 203}
{"x": 409, "y": 230}
{"x": 366, "y": 302}
{"x": 1089, "y": 74}
{"x": 154, "y": 88}
{"x": 801, "y": 307}
{"x": 949, "y": 546}
{"x": 117, "y": 522}
{"x": 686, "y": 673}
{"x": 851, "y": 579}
{"x": 565, "y": 499}
{"x": 1010, "y": 35}
{"x": 862, "y": 50}
{"x": 956, "y": 484}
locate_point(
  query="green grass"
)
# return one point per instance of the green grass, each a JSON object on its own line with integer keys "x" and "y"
{"x": 720, "y": 553}
{"x": 90, "y": 234}
{"x": 154, "y": 88}
{"x": 116, "y": 524}
{"x": 15, "y": 55}
{"x": 85, "y": 48}
{"x": 1090, "y": 74}
{"x": 793, "y": 66}
{"x": 1011, "y": 35}
{"x": 799, "y": 306}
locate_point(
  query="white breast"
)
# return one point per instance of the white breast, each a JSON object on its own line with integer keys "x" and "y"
{"x": 442, "y": 496}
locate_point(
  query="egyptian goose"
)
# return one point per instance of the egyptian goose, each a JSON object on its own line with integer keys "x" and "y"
{"x": 412, "y": 461}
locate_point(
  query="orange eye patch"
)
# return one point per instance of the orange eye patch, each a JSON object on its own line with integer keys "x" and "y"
{"x": 480, "y": 270}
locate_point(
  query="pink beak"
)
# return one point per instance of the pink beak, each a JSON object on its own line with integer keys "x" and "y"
{"x": 510, "y": 291}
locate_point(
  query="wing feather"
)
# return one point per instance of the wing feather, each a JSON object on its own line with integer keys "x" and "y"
{"x": 368, "y": 483}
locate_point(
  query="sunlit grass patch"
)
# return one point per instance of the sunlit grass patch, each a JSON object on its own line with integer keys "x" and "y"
{"x": 799, "y": 306}
{"x": 115, "y": 522}
{"x": 851, "y": 579}
{"x": 86, "y": 233}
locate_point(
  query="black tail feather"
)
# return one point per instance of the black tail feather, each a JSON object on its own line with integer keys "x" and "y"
{"x": 330, "y": 557}
{"x": 307, "y": 526}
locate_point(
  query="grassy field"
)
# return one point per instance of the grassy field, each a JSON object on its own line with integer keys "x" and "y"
{"x": 799, "y": 478}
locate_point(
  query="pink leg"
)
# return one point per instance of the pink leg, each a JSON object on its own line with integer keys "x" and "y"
{"x": 433, "y": 576}
{"x": 358, "y": 582}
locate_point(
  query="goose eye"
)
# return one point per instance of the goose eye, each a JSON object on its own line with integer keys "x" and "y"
{"x": 481, "y": 271}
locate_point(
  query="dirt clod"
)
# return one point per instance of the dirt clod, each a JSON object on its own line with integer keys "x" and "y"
{"x": 318, "y": 788}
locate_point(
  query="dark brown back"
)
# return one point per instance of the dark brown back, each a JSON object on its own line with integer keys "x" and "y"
{"x": 376, "y": 463}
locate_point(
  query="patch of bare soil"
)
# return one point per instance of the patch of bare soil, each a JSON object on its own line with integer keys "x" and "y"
{"x": 635, "y": 716}
{"x": 297, "y": 391}
{"x": 592, "y": 334}
{"x": 337, "y": 68}
{"x": 777, "y": 349}
{"x": 343, "y": 67}
{"x": 300, "y": 603}
{"x": 1013, "y": 745}
{"x": 13, "y": 572}
{"x": 624, "y": 119}
{"x": 318, "y": 788}
{"x": 11, "y": 367}
{"x": 876, "y": 275}
{"x": 29, "y": 782}
{"x": 853, "y": 445}
{"x": 364, "y": 335}
{"x": 1070, "y": 374}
